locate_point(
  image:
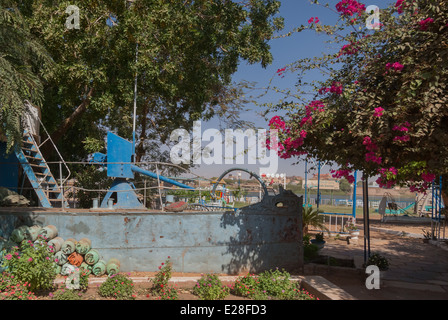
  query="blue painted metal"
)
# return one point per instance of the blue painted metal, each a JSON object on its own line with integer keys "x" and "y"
{"x": 36, "y": 169}
{"x": 9, "y": 173}
{"x": 436, "y": 194}
{"x": 123, "y": 192}
{"x": 119, "y": 157}
{"x": 119, "y": 166}
{"x": 99, "y": 158}
{"x": 256, "y": 238}
{"x": 161, "y": 178}
{"x": 354, "y": 196}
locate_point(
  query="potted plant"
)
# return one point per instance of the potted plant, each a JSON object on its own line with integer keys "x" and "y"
{"x": 426, "y": 236}
{"x": 352, "y": 229}
{"x": 313, "y": 218}
{"x": 319, "y": 240}
{"x": 378, "y": 260}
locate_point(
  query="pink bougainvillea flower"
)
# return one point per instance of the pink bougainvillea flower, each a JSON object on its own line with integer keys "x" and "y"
{"x": 336, "y": 88}
{"x": 343, "y": 173}
{"x": 428, "y": 177}
{"x": 372, "y": 157}
{"x": 350, "y": 7}
{"x": 311, "y": 20}
{"x": 277, "y": 123}
{"x": 396, "y": 66}
{"x": 370, "y": 145}
{"x": 378, "y": 112}
{"x": 402, "y": 138}
{"x": 348, "y": 49}
{"x": 403, "y": 128}
{"x": 424, "y": 24}
{"x": 385, "y": 180}
{"x": 316, "y": 20}
{"x": 399, "y": 5}
{"x": 280, "y": 72}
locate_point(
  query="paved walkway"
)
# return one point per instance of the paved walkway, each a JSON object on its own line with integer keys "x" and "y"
{"x": 413, "y": 264}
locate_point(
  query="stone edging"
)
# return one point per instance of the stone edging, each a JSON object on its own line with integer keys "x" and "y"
{"x": 398, "y": 233}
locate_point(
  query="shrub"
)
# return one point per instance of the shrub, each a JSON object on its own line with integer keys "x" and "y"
{"x": 118, "y": 286}
{"x": 274, "y": 283}
{"x": 83, "y": 282}
{"x": 379, "y": 261}
{"x": 16, "y": 291}
{"x": 271, "y": 284}
{"x": 210, "y": 287}
{"x": 32, "y": 263}
{"x": 160, "y": 280}
{"x": 246, "y": 286}
{"x": 310, "y": 250}
{"x": 66, "y": 294}
{"x": 169, "y": 292}
{"x": 83, "y": 279}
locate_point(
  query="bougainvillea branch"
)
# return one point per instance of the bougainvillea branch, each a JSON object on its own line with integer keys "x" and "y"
{"x": 384, "y": 110}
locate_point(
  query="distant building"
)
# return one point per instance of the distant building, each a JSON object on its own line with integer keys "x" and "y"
{"x": 326, "y": 182}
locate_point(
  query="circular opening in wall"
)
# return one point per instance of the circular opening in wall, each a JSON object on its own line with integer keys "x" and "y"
{"x": 279, "y": 204}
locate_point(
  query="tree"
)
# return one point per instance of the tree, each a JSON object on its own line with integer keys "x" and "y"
{"x": 183, "y": 54}
{"x": 344, "y": 185}
{"x": 381, "y": 107}
{"x": 21, "y": 57}
{"x": 312, "y": 217}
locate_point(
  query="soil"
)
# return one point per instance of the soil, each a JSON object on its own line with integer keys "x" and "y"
{"x": 143, "y": 288}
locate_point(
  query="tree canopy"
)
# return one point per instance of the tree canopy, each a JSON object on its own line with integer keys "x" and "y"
{"x": 183, "y": 54}
{"x": 381, "y": 105}
{"x": 21, "y": 56}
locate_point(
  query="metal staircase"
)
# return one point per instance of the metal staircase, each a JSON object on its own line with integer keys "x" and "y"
{"x": 49, "y": 192}
{"x": 423, "y": 203}
{"x": 38, "y": 172}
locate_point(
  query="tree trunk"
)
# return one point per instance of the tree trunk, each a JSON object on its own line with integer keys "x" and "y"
{"x": 48, "y": 149}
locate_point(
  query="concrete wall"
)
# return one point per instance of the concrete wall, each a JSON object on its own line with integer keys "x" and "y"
{"x": 262, "y": 236}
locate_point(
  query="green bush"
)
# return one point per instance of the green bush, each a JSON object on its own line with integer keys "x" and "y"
{"x": 274, "y": 283}
{"x": 310, "y": 250}
{"x": 15, "y": 291}
{"x": 169, "y": 292}
{"x": 379, "y": 261}
{"x": 65, "y": 294}
{"x": 162, "y": 277}
{"x": 246, "y": 286}
{"x": 32, "y": 263}
{"x": 118, "y": 286}
{"x": 271, "y": 284}
{"x": 210, "y": 287}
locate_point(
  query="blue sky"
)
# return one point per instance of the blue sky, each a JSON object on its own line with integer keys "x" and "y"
{"x": 285, "y": 51}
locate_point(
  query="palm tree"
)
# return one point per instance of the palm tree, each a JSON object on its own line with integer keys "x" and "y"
{"x": 312, "y": 217}
{"x": 22, "y": 59}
